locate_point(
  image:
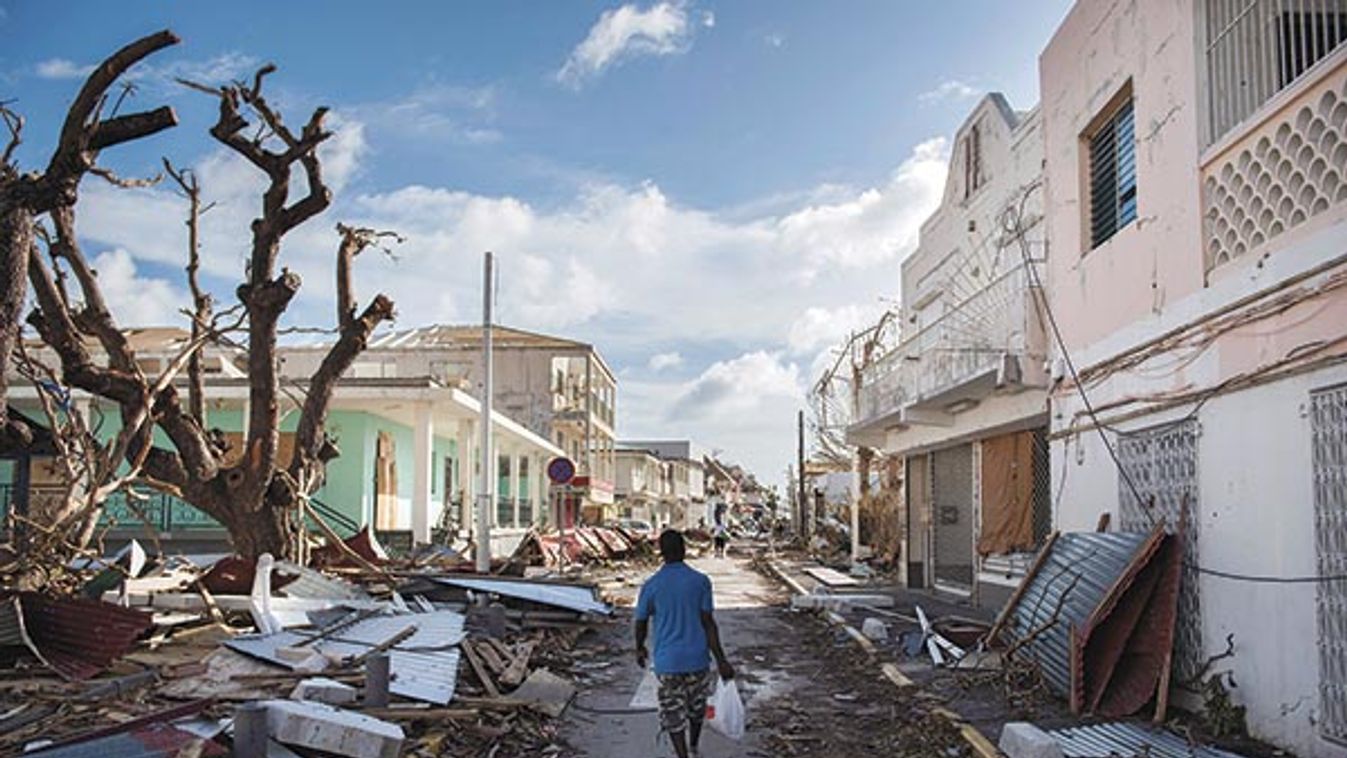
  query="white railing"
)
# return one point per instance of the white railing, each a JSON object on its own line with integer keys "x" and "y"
{"x": 1256, "y": 48}
{"x": 962, "y": 344}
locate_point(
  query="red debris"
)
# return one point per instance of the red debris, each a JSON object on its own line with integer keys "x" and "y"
{"x": 363, "y": 544}
{"x": 79, "y": 638}
{"x": 234, "y": 576}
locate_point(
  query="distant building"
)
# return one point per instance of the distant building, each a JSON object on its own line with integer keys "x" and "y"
{"x": 560, "y": 389}
{"x": 683, "y": 501}
{"x": 641, "y": 482}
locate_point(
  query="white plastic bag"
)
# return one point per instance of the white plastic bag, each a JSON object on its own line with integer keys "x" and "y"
{"x": 725, "y": 710}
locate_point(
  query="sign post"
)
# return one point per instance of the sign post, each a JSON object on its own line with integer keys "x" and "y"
{"x": 561, "y": 470}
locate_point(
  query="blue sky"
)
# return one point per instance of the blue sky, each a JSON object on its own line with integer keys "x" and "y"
{"x": 711, "y": 193}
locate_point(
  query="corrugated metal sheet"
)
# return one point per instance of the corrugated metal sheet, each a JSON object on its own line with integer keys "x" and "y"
{"x": 150, "y": 741}
{"x": 569, "y": 596}
{"x": 424, "y": 666}
{"x": 315, "y": 584}
{"x": 1124, "y": 739}
{"x": 1080, "y": 573}
{"x": 79, "y": 638}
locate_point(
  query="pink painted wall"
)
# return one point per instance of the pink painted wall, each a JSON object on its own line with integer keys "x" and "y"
{"x": 1098, "y": 50}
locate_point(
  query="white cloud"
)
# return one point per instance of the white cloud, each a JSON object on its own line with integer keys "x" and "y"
{"x": 662, "y": 361}
{"x": 627, "y": 32}
{"x": 741, "y": 385}
{"x": 216, "y": 70}
{"x": 876, "y": 225}
{"x": 774, "y": 39}
{"x": 133, "y": 299}
{"x": 459, "y": 115}
{"x": 61, "y": 68}
{"x": 819, "y": 328}
{"x": 950, "y": 90}
{"x": 624, "y": 267}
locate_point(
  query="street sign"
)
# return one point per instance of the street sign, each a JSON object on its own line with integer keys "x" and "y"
{"x": 560, "y": 470}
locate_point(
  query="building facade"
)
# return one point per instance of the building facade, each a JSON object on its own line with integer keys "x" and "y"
{"x": 962, "y": 397}
{"x": 683, "y": 500}
{"x": 640, "y": 486}
{"x": 1196, "y": 176}
{"x": 409, "y": 466}
{"x": 560, "y": 389}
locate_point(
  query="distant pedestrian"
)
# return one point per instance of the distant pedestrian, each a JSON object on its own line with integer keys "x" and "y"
{"x": 720, "y": 535}
{"x": 678, "y": 598}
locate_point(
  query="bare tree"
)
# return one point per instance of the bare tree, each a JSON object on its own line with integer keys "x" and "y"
{"x": 259, "y": 498}
{"x": 25, "y": 196}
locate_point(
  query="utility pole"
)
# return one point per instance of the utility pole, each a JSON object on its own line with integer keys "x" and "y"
{"x": 488, "y": 482}
{"x": 799, "y": 461}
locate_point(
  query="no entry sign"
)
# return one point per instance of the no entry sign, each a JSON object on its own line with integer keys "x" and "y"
{"x": 561, "y": 470}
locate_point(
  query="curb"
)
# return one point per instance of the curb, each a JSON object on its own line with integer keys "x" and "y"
{"x": 982, "y": 746}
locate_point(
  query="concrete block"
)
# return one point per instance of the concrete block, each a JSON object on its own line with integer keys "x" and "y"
{"x": 1020, "y": 739}
{"x": 875, "y": 629}
{"x": 840, "y": 601}
{"x": 322, "y": 727}
{"x": 323, "y": 690}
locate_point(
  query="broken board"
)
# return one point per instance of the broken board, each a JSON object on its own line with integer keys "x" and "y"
{"x": 831, "y": 577}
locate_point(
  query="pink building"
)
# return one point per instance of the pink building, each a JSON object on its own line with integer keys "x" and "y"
{"x": 1196, "y": 213}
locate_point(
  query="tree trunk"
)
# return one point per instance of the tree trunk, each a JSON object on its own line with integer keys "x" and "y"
{"x": 16, "y": 244}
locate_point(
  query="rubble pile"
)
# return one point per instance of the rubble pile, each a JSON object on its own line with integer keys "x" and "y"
{"x": 355, "y": 654}
{"x": 582, "y": 545}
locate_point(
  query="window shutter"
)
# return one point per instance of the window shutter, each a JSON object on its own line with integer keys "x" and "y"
{"x": 1113, "y": 177}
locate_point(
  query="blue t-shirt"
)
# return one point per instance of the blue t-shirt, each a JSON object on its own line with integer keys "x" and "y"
{"x": 676, "y": 596}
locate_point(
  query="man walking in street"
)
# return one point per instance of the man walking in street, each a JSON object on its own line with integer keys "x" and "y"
{"x": 678, "y": 599}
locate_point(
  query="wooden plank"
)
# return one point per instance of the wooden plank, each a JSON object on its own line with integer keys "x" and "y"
{"x": 480, "y": 670}
{"x": 893, "y": 674}
{"x": 490, "y": 657}
{"x": 975, "y": 739}
{"x": 830, "y": 577}
{"x": 519, "y": 667}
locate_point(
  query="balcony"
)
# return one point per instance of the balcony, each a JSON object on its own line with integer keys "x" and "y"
{"x": 990, "y": 342}
{"x": 1281, "y": 170}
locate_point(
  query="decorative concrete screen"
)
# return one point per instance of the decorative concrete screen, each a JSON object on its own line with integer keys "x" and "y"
{"x": 1329, "y": 424}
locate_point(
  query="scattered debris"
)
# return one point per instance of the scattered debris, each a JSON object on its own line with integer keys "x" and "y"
{"x": 830, "y": 577}
{"x": 332, "y": 730}
{"x": 582, "y": 599}
{"x": 545, "y": 692}
{"x": 423, "y": 647}
{"x": 875, "y": 629}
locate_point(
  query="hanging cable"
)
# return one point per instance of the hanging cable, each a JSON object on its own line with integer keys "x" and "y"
{"x": 1012, "y": 222}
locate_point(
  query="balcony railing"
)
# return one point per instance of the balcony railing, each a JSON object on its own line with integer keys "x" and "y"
{"x": 967, "y": 342}
{"x": 165, "y": 513}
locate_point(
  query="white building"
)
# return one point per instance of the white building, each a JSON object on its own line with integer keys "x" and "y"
{"x": 683, "y": 502}
{"x": 962, "y": 397}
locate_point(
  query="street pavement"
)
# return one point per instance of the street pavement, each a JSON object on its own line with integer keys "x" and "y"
{"x": 754, "y": 629}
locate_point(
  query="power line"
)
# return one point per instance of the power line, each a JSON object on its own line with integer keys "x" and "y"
{"x": 1012, "y": 222}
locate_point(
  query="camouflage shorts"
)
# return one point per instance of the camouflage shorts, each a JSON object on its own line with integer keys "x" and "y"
{"x": 682, "y": 698}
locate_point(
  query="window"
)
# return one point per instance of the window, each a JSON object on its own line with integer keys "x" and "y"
{"x": 1257, "y": 48}
{"x": 1113, "y": 175}
{"x": 972, "y": 161}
